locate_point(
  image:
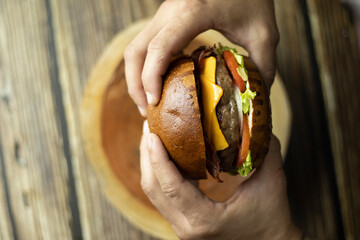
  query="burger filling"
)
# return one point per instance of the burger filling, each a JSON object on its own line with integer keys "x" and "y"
{"x": 226, "y": 103}
{"x": 210, "y": 94}
{"x": 236, "y": 66}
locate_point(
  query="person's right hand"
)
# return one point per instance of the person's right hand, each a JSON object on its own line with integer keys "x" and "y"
{"x": 248, "y": 23}
{"x": 258, "y": 209}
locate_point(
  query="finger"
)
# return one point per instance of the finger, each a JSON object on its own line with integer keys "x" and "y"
{"x": 134, "y": 60}
{"x": 262, "y": 52}
{"x": 134, "y": 56}
{"x": 269, "y": 178}
{"x": 171, "y": 39}
{"x": 149, "y": 182}
{"x": 151, "y": 186}
{"x": 273, "y": 160}
{"x": 272, "y": 164}
{"x": 265, "y": 178}
{"x": 182, "y": 193}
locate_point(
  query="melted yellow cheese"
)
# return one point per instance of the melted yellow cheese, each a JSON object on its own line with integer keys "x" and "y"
{"x": 211, "y": 94}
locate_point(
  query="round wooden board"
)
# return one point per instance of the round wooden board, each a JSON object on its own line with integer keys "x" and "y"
{"x": 112, "y": 126}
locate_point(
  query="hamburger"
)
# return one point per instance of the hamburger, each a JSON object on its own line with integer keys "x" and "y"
{"x": 214, "y": 113}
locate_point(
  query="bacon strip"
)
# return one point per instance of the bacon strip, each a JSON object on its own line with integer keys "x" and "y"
{"x": 199, "y": 54}
{"x": 212, "y": 161}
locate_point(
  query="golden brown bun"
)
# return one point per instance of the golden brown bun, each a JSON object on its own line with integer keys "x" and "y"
{"x": 260, "y": 132}
{"x": 177, "y": 121}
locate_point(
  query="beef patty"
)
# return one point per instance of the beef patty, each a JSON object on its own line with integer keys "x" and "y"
{"x": 227, "y": 114}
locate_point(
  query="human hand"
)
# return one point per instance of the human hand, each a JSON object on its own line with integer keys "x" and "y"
{"x": 258, "y": 209}
{"x": 249, "y": 23}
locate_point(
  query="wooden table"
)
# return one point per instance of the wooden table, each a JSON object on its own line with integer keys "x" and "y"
{"x": 48, "y": 190}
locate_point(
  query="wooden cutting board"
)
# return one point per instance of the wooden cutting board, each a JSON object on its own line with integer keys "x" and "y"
{"x": 112, "y": 127}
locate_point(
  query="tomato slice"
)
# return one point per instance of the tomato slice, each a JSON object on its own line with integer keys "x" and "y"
{"x": 245, "y": 142}
{"x": 233, "y": 65}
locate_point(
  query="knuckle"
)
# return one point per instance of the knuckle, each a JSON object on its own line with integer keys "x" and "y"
{"x": 170, "y": 191}
{"x": 155, "y": 163}
{"x": 176, "y": 23}
{"x": 156, "y": 45}
{"x": 268, "y": 34}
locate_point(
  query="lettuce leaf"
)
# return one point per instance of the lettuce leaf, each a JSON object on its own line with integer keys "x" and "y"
{"x": 225, "y": 48}
{"x": 239, "y": 60}
{"x": 246, "y": 98}
{"x": 246, "y": 167}
{"x": 243, "y": 73}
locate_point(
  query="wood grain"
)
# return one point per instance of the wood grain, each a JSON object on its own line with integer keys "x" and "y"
{"x": 6, "y": 227}
{"x": 308, "y": 166}
{"x": 33, "y": 147}
{"x": 35, "y": 120}
{"x": 47, "y": 50}
{"x": 77, "y": 50}
{"x": 338, "y": 57}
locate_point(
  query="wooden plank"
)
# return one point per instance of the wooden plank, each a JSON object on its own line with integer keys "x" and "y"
{"x": 308, "y": 166}
{"x": 338, "y": 57}
{"x": 82, "y": 29}
{"x": 6, "y": 228}
{"x": 34, "y": 158}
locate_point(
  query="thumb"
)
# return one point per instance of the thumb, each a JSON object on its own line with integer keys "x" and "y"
{"x": 181, "y": 192}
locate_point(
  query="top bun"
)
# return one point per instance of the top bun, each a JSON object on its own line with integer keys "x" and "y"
{"x": 177, "y": 119}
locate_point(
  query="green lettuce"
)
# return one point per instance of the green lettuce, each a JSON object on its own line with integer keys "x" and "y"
{"x": 243, "y": 73}
{"x": 239, "y": 60}
{"x": 241, "y": 69}
{"x": 225, "y": 48}
{"x": 246, "y": 167}
{"x": 246, "y": 98}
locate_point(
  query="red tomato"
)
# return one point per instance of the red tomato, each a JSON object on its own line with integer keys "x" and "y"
{"x": 233, "y": 65}
{"x": 245, "y": 142}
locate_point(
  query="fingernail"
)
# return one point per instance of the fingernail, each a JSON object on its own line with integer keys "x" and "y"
{"x": 149, "y": 141}
{"x": 150, "y": 98}
{"x": 142, "y": 111}
{"x": 146, "y": 128}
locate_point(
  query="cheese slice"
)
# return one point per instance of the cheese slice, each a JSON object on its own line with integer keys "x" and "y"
{"x": 211, "y": 94}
